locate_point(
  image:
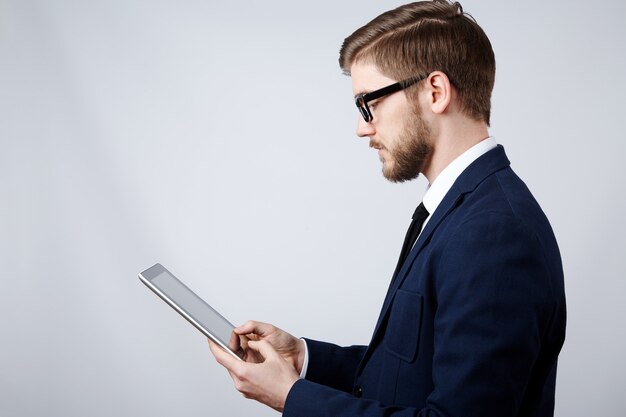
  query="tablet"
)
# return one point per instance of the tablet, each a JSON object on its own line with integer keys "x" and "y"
{"x": 189, "y": 305}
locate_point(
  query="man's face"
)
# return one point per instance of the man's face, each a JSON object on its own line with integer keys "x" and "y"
{"x": 398, "y": 130}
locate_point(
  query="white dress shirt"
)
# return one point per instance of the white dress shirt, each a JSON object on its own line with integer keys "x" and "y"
{"x": 439, "y": 188}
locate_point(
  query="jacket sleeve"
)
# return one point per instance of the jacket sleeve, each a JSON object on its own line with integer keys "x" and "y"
{"x": 332, "y": 365}
{"x": 495, "y": 309}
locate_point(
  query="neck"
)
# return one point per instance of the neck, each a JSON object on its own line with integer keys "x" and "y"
{"x": 450, "y": 142}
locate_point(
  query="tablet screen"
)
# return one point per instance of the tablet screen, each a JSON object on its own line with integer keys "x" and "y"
{"x": 188, "y": 301}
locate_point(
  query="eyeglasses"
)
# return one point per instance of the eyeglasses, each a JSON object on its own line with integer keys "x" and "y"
{"x": 362, "y": 99}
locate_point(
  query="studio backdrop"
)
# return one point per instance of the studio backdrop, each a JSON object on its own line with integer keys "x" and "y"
{"x": 218, "y": 138}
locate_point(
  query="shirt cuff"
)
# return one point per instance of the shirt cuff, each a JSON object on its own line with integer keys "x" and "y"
{"x": 305, "y": 363}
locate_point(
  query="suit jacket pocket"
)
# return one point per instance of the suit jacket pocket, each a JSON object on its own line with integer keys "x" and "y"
{"x": 404, "y": 326}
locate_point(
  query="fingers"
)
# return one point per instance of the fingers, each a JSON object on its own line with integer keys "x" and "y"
{"x": 222, "y": 357}
{"x": 268, "y": 382}
{"x": 255, "y": 327}
{"x": 234, "y": 343}
{"x": 264, "y": 348}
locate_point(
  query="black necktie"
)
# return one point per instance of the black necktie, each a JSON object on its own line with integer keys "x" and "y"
{"x": 415, "y": 228}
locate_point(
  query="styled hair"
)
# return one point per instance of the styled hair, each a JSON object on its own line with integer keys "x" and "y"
{"x": 419, "y": 38}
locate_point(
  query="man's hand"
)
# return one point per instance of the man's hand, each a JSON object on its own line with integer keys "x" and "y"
{"x": 287, "y": 346}
{"x": 268, "y": 381}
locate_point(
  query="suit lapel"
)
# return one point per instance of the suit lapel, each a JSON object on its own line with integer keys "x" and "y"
{"x": 446, "y": 205}
{"x": 475, "y": 173}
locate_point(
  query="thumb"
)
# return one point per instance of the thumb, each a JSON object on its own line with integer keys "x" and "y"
{"x": 264, "y": 348}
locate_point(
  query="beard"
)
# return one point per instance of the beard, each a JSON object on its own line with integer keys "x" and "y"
{"x": 412, "y": 151}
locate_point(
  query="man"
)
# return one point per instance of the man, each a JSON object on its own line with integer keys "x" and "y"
{"x": 474, "y": 318}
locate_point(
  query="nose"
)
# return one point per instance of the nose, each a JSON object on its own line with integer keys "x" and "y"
{"x": 363, "y": 128}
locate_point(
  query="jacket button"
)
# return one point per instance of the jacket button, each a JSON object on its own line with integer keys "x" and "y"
{"x": 358, "y": 391}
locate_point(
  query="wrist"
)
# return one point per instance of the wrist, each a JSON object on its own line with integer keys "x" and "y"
{"x": 284, "y": 393}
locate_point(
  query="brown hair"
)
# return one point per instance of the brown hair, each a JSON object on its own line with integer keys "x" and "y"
{"x": 426, "y": 36}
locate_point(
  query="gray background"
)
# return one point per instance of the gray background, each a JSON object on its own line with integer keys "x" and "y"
{"x": 218, "y": 139}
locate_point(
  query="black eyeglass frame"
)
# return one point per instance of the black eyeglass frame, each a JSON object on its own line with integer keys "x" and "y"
{"x": 361, "y": 100}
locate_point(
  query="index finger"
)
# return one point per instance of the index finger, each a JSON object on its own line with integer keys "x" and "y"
{"x": 255, "y": 327}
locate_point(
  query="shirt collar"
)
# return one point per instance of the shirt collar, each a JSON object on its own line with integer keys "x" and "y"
{"x": 442, "y": 184}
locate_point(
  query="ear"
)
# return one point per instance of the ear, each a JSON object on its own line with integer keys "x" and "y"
{"x": 440, "y": 91}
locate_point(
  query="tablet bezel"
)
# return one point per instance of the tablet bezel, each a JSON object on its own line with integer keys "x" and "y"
{"x": 158, "y": 269}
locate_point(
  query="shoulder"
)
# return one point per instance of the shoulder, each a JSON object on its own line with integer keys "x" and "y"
{"x": 496, "y": 234}
{"x": 500, "y": 205}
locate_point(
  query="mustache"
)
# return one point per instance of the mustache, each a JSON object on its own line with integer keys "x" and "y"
{"x": 376, "y": 145}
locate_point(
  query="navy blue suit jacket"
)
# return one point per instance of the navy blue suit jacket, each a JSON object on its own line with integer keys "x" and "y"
{"x": 473, "y": 324}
